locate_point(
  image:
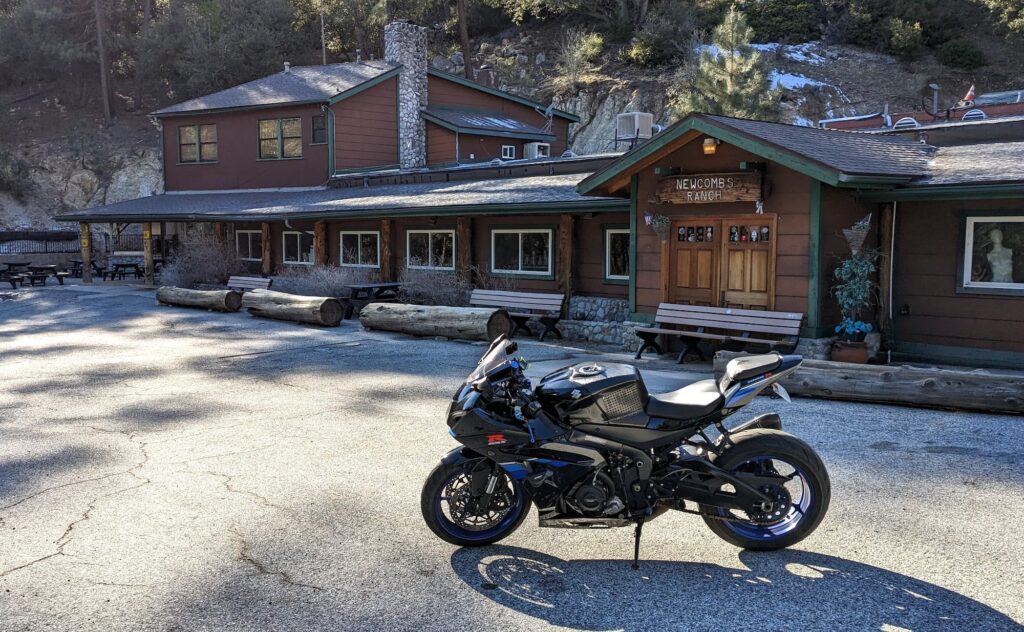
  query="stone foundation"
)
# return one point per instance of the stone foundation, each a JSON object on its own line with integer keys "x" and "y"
{"x": 598, "y": 308}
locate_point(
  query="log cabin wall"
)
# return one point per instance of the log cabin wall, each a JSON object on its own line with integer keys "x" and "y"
{"x": 788, "y": 195}
{"x": 444, "y": 92}
{"x": 238, "y": 165}
{"x": 942, "y": 323}
{"x": 366, "y": 128}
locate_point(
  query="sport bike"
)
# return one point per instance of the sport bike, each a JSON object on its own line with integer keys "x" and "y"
{"x": 591, "y": 448}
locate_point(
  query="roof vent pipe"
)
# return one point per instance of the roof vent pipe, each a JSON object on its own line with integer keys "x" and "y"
{"x": 359, "y": 55}
{"x": 287, "y": 66}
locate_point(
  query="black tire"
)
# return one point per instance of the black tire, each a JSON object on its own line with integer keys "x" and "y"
{"x": 435, "y": 519}
{"x": 761, "y": 442}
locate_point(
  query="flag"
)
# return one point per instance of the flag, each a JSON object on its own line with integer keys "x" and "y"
{"x": 970, "y": 94}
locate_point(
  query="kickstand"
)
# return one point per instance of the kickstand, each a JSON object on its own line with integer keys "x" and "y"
{"x": 636, "y": 543}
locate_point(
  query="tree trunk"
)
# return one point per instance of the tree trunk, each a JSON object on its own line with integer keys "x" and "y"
{"x": 906, "y": 385}
{"x": 140, "y": 52}
{"x": 468, "y": 323}
{"x": 316, "y": 310}
{"x": 219, "y": 300}
{"x": 108, "y": 106}
{"x": 467, "y": 59}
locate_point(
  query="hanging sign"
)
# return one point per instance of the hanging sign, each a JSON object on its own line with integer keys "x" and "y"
{"x": 704, "y": 188}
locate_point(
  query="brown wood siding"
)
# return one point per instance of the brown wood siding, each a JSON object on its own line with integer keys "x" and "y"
{"x": 366, "y": 128}
{"x": 588, "y": 277}
{"x": 839, "y": 210}
{"x": 238, "y": 165}
{"x": 440, "y": 145}
{"x": 444, "y": 92}
{"x": 474, "y": 148}
{"x": 788, "y": 196}
{"x": 924, "y": 279}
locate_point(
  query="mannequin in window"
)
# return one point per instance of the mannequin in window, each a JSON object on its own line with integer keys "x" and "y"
{"x": 1000, "y": 258}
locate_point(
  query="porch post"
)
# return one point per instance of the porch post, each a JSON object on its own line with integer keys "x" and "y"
{"x": 86, "y": 241}
{"x": 320, "y": 243}
{"x": 265, "y": 255}
{"x": 564, "y": 261}
{"x": 387, "y": 273}
{"x": 220, "y": 230}
{"x": 464, "y": 247}
{"x": 147, "y": 252}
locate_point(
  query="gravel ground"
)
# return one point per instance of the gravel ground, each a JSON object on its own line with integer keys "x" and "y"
{"x": 172, "y": 469}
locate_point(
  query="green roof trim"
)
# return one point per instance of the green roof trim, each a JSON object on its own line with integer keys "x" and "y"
{"x": 478, "y": 131}
{"x": 947, "y": 192}
{"x": 498, "y": 93}
{"x": 700, "y": 123}
{"x": 366, "y": 85}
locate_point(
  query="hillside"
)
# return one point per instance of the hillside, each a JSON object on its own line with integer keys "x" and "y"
{"x": 56, "y": 154}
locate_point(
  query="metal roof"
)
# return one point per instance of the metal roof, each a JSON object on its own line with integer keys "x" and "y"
{"x": 554, "y": 193}
{"x": 487, "y": 123}
{"x": 300, "y": 84}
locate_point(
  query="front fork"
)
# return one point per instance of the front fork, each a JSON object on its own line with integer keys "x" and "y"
{"x": 483, "y": 481}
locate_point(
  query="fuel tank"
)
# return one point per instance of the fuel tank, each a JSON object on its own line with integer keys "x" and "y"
{"x": 589, "y": 393}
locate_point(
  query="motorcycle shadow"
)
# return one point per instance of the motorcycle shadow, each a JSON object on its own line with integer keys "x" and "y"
{"x": 783, "y": 590}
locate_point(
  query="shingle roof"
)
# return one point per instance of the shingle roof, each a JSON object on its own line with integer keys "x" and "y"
{"x": 975, "y": 164}
{"x": 301, "y": 84}
{"x": 485, "y": 122}
{"x": 427, "y": 198}
{"x": 847, "y": 152}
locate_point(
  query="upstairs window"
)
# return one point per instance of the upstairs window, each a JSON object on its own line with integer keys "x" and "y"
{"x": 508, "y": 152}
{"x": 360, "y": 249}
{"x": 280, "y": 138}
{"x": 319, "y": 129}
{"x": 430, "y": 249}
{"x": 197, "y": 143}
{"x": 249, "y": 245}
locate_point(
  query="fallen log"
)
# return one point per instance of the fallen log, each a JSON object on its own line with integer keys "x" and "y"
{"x": 955, "y": 389}
{"x": 468, "y": 323}
{"x": 315, "y": 310}
{"x": 219, "y": 300}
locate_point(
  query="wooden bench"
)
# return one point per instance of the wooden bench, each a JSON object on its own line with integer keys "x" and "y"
{"x": 60, "y": 276}
{"x": 246, "y": 283}
{"x": 522, "y": 306}
{"x": 721, "y": 324}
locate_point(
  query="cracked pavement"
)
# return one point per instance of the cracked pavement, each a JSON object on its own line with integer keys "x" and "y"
{"x": 174, "y": 469}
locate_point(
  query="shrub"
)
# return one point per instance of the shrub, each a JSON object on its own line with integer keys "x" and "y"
{"x": 201, "y": 258}
{"x": 434, "y": 287}
{"x": 787, "y": 21}
{"x": 14, "y": 175}
{"x": 905, "y": 39}
{"x": 577, "y": 55}
{"x": 666, "y": 35}
{"x": 319, "y": 280}
{"x": 962, "y": 53}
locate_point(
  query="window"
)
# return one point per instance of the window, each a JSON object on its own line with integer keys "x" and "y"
{"x": 319, "y": 129}
{"x": 432, "y": 249}
{"x": 298, "y": 247}
{"x": 993, "y": 255}
{"x": 508, "y": 152}
{"x": 280, "y": 138}
{"x": 360, "y": 249}
{"x": 249, "y": 245}
{"x": 521, "y": 251}
{"x": 197, "y": 143}
{"x": 616, "y": 254}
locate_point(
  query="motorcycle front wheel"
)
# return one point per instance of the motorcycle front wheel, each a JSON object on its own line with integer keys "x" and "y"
{"x": 453, "y": 514}
{"x": 801, "y": 496}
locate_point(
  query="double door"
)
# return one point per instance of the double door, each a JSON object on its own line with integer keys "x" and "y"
{"x": 723, "y": 261}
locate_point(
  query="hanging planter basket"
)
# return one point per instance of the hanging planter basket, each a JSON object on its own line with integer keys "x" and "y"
{"x": 660, "y": 224}
{"x": 856, "y": 234}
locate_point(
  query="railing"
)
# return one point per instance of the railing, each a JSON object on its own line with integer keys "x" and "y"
{"x": 134, "y": 243}
{"x": 38, "y": 242}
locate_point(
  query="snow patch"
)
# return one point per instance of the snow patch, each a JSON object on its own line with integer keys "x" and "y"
{"x": 793, "y": 81}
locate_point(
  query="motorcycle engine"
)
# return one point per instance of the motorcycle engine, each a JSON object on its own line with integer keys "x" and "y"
{"x": 595, "y": 497}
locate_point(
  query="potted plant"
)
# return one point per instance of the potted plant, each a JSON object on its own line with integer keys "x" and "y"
{"x": 659, "y": 224}
{"x": 854, "y": 290}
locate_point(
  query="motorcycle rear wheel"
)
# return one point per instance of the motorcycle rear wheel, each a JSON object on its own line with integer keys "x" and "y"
{"x": 788, "y": 456}
{"x": 444, "y": 510}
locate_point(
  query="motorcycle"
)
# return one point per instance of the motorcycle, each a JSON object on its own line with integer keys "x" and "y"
{"x": 591, "y": 448}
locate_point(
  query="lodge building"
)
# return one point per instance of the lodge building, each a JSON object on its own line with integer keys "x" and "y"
{"x": 384, "y": 165}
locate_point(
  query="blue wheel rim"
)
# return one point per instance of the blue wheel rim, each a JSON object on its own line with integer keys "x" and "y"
{"x": 792, "y": 520}
{"x": 510, "y": 518}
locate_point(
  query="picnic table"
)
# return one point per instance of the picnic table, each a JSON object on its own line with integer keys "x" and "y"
{"x": 123, "y": 269}
{"x": 13, "y": 266}
{"x": 373, "y": 290}
{"x": 49, "y": 268}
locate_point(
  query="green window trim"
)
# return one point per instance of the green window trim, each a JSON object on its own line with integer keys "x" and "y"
{"x": 276, "y": 133}
{"x": 313, "y": 129}
{"x": 197, "y": 143}
{"x": 606, "y": 231}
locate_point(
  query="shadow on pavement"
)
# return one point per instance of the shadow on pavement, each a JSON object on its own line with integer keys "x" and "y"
{"x": 791, "y": 590}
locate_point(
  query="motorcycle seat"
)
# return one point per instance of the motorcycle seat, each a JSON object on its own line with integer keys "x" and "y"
{"x": 745, "y": 368}
{"x": 692, "y": 401}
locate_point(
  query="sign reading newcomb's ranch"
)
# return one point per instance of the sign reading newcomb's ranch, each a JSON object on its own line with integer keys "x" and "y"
{"x": 702, "y": 188}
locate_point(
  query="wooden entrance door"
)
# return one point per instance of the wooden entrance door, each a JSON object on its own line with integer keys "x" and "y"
{"x": 716, "y": 261}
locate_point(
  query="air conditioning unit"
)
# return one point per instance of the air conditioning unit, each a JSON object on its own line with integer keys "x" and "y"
{"x": 634, "y": 126}
{"x": 537, "y": 150}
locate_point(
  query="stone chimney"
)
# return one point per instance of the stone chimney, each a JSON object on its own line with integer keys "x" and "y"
{"x": 406, "y": 44}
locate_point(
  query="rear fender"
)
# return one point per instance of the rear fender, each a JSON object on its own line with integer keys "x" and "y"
{"x": 770, "y": 421}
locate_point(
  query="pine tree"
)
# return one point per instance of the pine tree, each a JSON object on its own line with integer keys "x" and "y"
{"x": 732, "y": 79}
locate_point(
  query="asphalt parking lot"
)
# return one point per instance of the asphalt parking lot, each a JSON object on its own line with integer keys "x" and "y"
{"x": 172, "y": 469}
